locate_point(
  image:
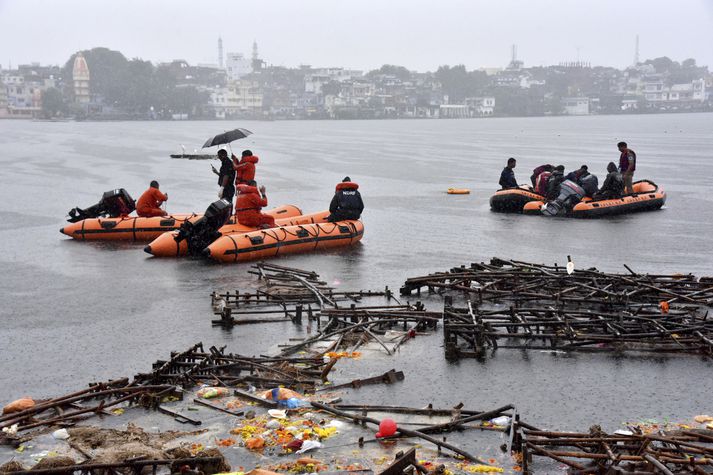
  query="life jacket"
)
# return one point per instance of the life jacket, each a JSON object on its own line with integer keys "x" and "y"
{"x": 348, "y": 200}
{"x": 624, "y": 160}
{"x": 246, "y": 173}
{"x": 541, "y": 183}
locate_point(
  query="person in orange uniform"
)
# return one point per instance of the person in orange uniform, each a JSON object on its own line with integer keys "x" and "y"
{"x": 149, "y": 203}
{"x": 250, "y": 202}
{"x": 245, "y": 168}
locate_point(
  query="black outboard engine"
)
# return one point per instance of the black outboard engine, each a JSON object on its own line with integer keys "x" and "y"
{"x": 114, "y": 203}
{"x": 590, "y": 184}
{"x": 201, "y": 233}
{"x": 570, "y": 194}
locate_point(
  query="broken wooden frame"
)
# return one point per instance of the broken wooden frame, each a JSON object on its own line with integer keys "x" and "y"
{"x": 684, "y": 451}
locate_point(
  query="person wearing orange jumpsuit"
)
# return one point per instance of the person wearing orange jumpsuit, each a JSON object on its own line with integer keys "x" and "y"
{"x": 245, "y": 168}
{"x": 149, "y": 203}
{"x": 249, "y": 203}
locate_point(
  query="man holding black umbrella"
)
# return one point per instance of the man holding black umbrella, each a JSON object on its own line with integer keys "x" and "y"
{"x": 226, "y": 176}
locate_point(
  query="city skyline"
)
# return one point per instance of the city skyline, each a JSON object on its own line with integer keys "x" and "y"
{"x": 546, "y": 32}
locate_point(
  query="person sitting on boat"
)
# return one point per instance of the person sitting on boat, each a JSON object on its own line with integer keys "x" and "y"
{"x": 613, "y": 185}
{"x": 554, "y": 182}
{"x": 248, "y": 205}
{"x": 346, "y": 203}
{"x": 245, "y": 168}
{"x": 507, "y": 177}
{"x": 226, "y": 176}
{"x": 538, "y": 171}
{"x": 627, "y": 166}
{"x": 149, "y": 203}
{"x": 541, "y": 182}
{"x": 576, "y": 174}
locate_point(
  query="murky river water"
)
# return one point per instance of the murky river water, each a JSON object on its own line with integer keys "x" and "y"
{"x": 74, "y": 312}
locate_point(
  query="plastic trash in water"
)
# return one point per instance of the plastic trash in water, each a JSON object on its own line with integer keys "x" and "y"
{"x": 273, "y": 424}
{"x": 277, "y": 413}
{"x": 309, "y": 445}
{"x": 500, "y": 421}
{"x": 293, "y": 403}
{"x": 211, "y": 393}
{"x": 570, "y": 265}
{"x": 623, "y": 432}
{"x": 336, "y": 424}
{"x": 60, "y": 434}
{"x": 12, "y": 430}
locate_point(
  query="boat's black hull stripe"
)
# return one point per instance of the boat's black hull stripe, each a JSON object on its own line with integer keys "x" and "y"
{"x": 279, "y": 244}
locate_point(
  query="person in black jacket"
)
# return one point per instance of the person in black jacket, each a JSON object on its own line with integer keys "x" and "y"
{"x": 507, "y": 177}
{"x": 613, "y": 186}
{"x": 226, "y": 176}
{"x": 346, "y": 203}
{"x": 554, "y": 182}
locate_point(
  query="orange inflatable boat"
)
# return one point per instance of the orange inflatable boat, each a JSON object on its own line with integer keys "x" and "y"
{"x": 166, "y": 244}
{"x": 129, "y": 228}
{"x": 647, "y": 196}
{"x": 512, "y": 200}
{"x": 285, "y": 240}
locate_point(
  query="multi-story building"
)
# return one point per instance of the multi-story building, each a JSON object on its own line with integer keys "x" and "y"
{"x": 237, "y": 66}
{"x": 575, "y": 105}
{"x": 80, "y": 78}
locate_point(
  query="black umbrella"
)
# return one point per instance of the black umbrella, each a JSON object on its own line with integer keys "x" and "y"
{"x": 227, "y": 137}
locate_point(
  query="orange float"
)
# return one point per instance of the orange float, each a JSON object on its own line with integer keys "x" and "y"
{"x": 284, "y": 240}
{"x": 129, "y": 228}
{"x": 166, "y": 245}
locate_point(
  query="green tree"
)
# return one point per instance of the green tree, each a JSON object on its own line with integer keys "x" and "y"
{"x": 331, "y": 88}
{"x": 392, "y": 70}
{"x": 53, "y": 103}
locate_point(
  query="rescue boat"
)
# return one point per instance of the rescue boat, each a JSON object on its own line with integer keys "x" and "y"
{"x": 647, "y": 196}
{"x": 130, "y": 228}
{"x": 166, "y": 244}
{"x": 512, "y": 200}
{"x": 284, "y": 240}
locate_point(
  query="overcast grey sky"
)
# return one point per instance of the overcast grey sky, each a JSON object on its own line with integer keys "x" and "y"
{"x": 361, "y": 34}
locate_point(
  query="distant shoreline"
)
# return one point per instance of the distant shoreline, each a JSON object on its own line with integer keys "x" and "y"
{"x": 283, "y": 119}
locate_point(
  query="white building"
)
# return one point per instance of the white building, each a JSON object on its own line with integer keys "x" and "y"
{"x": 237, "y": 66}
{"x": 80, "y": 76}
{"x": 657, "y": 92}
{"x": 238, "y": 98}
{"x": 480, "y": 106}
{"x": 317, "y": 78}
{"x": 575, "y": 105}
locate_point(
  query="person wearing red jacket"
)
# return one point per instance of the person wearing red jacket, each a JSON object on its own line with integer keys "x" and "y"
{"x": 250, "y": 202}
{"x": 149, "y": 203}
{"x": 245, "y": 168}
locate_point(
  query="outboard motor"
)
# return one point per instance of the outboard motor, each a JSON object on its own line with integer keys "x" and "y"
{"x": 201, "y": 233}
{"x": 570, "y": 194}
{"x": 590, "y": 184}
{"x": 114, "y": 203}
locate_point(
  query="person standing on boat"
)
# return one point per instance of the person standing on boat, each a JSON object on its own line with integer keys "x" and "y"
{"x": 245, "y": 168}
{"x": 226, "y": 176}
{"x": 507, "y": 177}
{"x": 539, "y": 170}
{"x": 346, "y": 203}
{"x": 613, "y": 184}
{"x": 149, "y": 203}
{"x": 249, "y": 204}
{"x": 627, "y": 166}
